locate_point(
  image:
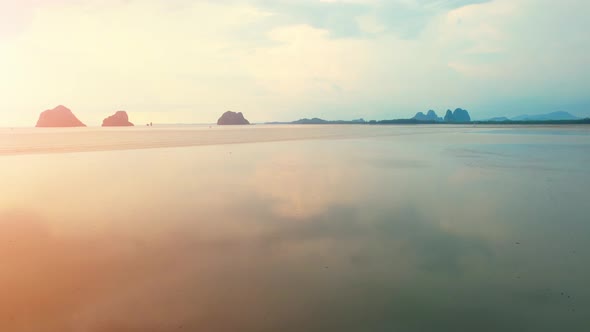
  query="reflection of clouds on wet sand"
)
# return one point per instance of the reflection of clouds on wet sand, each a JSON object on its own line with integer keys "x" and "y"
{"x": 465, "y": 175}
{"x": 299, "y": 185}
{"x": 119, "y": 281}
{"x": 340, "y": 269}
{"x": 522, "y": 157}
{"x": 247, "y": 263}
{"x": 290, "y": 236}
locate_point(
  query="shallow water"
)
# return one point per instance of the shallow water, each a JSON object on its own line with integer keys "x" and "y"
{"x": 295, "y": 228}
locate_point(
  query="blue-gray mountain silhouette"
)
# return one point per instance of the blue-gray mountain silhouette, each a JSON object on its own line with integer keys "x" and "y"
{"x": 546, "y": 117}
{"x": 430, "y": 116}
{"x": 498, "y": 119}
{"x": 458, "y": 116}
{"x": 322, "y": 121}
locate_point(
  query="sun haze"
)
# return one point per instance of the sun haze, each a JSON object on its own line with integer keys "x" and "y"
{"x": 181, "y": 61}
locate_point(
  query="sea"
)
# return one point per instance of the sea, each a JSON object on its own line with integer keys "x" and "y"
{"x": 295, "y": 228}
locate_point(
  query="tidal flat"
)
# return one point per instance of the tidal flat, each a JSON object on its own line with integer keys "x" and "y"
{"x": 295, "y": 228}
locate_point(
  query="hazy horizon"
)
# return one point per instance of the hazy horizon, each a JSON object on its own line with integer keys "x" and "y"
{"x": 204, "y": 223}
{"x": 184, "y": 61}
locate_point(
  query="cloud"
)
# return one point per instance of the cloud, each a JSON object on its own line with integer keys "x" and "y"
{"x": 186, "y": 61}
{"x": 299, "y": 189}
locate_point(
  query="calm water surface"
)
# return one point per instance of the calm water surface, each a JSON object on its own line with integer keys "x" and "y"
{"x": 295, "y": 228}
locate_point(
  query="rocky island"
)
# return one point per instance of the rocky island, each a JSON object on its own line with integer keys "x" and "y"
{"x": 119, "y": 119}
{"x": 60, "y": 116}
{"x": 430, "y": 116}
{"x": 232, "y": 118}
{"x": 458, "y": 116}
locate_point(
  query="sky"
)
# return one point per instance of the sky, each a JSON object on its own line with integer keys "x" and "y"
{"x": 181, "y": 61}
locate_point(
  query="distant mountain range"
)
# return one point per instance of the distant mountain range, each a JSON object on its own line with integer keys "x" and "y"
{"x": 554, "y": 116}
{"x": 429, "y": 116}
{"x": 321, "y": 121}
{"x": 61, "y": 116}
{"x": 458, "y": 116}
{"x": 498, "y": 119}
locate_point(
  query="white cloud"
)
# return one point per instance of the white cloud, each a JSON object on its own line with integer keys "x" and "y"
{"x": 370, "y": 24}
{"x": 186, "y": 61}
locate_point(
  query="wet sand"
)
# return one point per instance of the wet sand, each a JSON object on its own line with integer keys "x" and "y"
{"x": 294, "y": 228}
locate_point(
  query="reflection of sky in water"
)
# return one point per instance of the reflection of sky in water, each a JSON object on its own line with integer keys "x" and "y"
{"x": 547, "y": 131}
{"x": 422, "y": 232}
{"x": 532, "y": 157}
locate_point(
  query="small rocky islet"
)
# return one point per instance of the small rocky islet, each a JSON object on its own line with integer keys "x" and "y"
{"x": 62, "y": 116}
{"x": 119, "y": 119}
{"x": 232, "y": 118}
{"x": 59, "y": 116}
